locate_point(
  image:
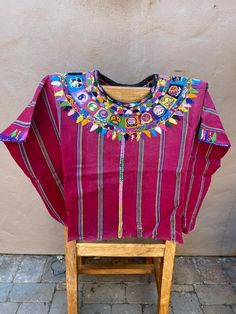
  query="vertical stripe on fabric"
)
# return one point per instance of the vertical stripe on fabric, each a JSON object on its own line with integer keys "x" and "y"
{"x": 47, "y": 158}
{"x": 191, "y": 183}
{"x": 79, "y": 181}
{"x": 100, "y": 186}
{"x": 202, "y": 185}
{"x": 121, "y": 182}
{"x": 41, "y": 190}
{"x": 59, "y": 119}
{"x": 158, "y": 183}
{"x": 50, "y": 114}
{"x": 178, "y": 175}
{"x": 139, "y": 189}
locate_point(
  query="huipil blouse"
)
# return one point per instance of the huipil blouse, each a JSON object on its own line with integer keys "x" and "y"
{"x": 108, "y": 169}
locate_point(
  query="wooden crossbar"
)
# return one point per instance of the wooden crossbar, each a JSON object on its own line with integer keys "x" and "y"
{"x": 120, "y": 249}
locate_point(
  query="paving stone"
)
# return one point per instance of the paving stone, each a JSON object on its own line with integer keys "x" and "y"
{"x": 170, "y": 310}
{"x": 185, "y": 272}
{"x": 229, "y": 268}
{"x": 96, "y": 309}
{"x": 104, "y": 293}
{"x": 30, "y": 269}
{"x": 217, "y": 309}
{"x": 33, "y": 308}
{"x": 126, "y": 309}
{"x": 234, "y": 309}
{"x": 31, "y": 292}
{"x": 141, "y": 294}
{"x": 4, "y": 291}
{"x": 185, "y": 303}
{"x": 210, "y": 269}
{"x": 8, "y": 267}
{"x": 152, "y": 309}
{"x": 59, "y": 304}
{"x": 182, "y": 288}
{"x": 61, "y": 285}
{"x": 54, "y": 270}
{"x": 149, "y": 308}
{"x": 215, "y": 294}
{"x": 8, "y": 308}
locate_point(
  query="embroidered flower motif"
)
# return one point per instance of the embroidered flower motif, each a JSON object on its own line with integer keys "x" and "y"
{"x": 81, "y": 95}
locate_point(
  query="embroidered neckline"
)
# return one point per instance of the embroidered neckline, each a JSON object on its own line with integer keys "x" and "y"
{"x": 79, "y": 94}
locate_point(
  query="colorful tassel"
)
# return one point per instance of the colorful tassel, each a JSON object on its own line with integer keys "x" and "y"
{"x": 71, "y": 112}
{"x": 147, "y": 132}
{"x": 94, "y": 127}
{"x": 80, "y": 118}
{"x": 171, "y": 120}
{"x": 85, "y": 121}
{"x": 113, "y": 135}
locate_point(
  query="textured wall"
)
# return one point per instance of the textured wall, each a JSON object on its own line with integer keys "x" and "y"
{"x": 127, "y": 41}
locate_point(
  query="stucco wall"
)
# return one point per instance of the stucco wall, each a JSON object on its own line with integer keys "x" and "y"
{"x": 127, "y": 41}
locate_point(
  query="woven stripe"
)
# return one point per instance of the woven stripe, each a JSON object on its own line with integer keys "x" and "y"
{"x": 213, "y": 111}
{"x": 191, "y": 183}
{"x": 50, "y": 114}
{"x": 139, "y": 189}
{"x": 179, "y": 175}
{"x": 47, "y": 158}
{"x": 202, "y": 185}
{"x": 212, "y": 128}
{"x": 121, "y": 182}
{"x": 31, "y": 104}
{"x": 22, "y": 123}
{"x": 79, "y": 181}
{"x": 100, "y": 186}
{"x": 41, "y": 190}
{"x": 158, "y": 184}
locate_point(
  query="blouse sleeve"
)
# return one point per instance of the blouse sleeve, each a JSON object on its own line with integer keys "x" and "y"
{"x": 209, "y": 147}
{"x": 33, "y": 141}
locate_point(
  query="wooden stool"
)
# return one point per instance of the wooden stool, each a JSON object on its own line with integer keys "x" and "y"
{"x": 159, "y": 260}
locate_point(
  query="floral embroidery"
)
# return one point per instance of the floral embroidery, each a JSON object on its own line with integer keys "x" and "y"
{"x": 81, "y": 95}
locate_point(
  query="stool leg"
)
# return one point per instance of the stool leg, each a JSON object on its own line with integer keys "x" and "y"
{"x": 166, "y": 278}
{"x": 71, "y": 276}
{"x": 158, "y": 264}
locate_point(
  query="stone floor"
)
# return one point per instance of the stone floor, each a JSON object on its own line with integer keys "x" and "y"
{"x": 31, "y": 284}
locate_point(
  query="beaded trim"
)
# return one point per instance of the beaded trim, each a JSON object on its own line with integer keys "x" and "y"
{"x": 80, "y": 95}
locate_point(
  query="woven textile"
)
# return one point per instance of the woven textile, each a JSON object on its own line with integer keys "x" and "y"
{"x": 109, "y": 169}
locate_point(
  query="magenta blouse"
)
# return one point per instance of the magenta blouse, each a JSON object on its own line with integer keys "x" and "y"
{"x": 108, "y": 169}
